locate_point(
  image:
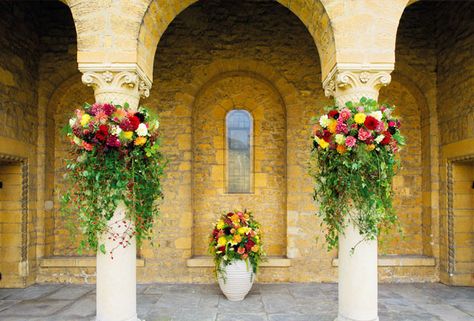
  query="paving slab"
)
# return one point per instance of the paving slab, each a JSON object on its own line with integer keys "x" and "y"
{"x": 267, "y": 302}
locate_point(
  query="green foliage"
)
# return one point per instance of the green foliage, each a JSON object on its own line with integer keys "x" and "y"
{"x": 97, "y": 181}
{"x": 355, "y": 185}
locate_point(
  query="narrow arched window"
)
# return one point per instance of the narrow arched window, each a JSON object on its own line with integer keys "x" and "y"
{"x": 239, "y": 140}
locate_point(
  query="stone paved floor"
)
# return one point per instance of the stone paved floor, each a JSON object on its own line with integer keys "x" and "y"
{"x": 271, "y": 302}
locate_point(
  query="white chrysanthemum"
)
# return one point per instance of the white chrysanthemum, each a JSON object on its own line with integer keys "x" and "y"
{"x": 324, "y": 121}
{"x": 72, "y": 121}
{"x": 379, "y": 138}
{"x": 142, "y": 130}
{"x": 377, "y": 115}
{"x": 340, "y": 139}
{"x": 116, "y": 130}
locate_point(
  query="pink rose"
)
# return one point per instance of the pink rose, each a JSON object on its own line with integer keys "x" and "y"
{"x": 350, "y": 141}
{"x": 363, "y": 134}
{"x": 341, "y": 126}
{"x": 380, "y": 126}
{"x": 345, "y": 114}
{"x": 391, "y": 123}
{"x": 360, "y": 109}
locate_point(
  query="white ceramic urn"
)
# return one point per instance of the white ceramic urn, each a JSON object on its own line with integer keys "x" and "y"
{"x": 236, "y": 279}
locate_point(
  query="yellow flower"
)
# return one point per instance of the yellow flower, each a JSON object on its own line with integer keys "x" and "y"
{"x": 220, "y": 225}
{"x": 241, "y": 230}
{"x": 255, "y": 248}
{"x": 340, "y": 139}
{"x": 221, "y": 241}
{"x": 128, "y": 135}
{"x": 332, "y": 126}
{"x": 370, "y": 147}
{"x": 322, "y": 142}
{"x": 359, "y": 118}
{"x": 140, "y": 140}
{"x": 85, "y": 119}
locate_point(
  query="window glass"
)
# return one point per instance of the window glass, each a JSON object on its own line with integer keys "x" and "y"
{"x": 239, "y": 129}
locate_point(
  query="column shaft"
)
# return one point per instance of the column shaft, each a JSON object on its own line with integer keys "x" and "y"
{"x": 357, "y": 269}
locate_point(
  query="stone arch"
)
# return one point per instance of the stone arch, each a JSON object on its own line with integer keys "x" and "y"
{"x": 160, "y": 14}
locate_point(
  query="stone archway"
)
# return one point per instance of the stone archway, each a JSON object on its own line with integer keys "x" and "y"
{"x": 159, "y": 15}
{"x": 267, "y": 195}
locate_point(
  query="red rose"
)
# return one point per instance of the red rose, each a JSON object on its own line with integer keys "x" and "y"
{"x": 126, "y": 125}
{"x": 249, "y": 245}
{"x": 371, "y": 122}
{"x": 221, "y": 249}
{"x": 386, "y": 140}
{"x": 333, "y": 114}
{"x": 134, "y": 121}
{"x": 327, "y": 135}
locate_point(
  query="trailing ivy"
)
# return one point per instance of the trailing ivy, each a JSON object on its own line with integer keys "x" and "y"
{"x": 353, "y": 163}
{"x": 101, "y": 173}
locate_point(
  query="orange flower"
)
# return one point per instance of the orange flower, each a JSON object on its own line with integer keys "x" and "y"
{"x": 255, "y": 248}
{"x": 237, "y": 238}
{"x": 341, "y": 149}
{"x": 140, "y": 141}
{"x": 332, "y": 126}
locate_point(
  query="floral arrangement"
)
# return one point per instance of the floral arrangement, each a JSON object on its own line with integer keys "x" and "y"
{"x": 353, "y": 162}
{"x": 236, "y": 236}
{"x": 114, "y": 157}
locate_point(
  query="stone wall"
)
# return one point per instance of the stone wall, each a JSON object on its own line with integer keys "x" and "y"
{"x": 217, "y": 55}
{"x": 18, "y": 73}
{"x": 455, "y": 97}
{"x": 455, "y": 72}
{"x": 18, "y": 114}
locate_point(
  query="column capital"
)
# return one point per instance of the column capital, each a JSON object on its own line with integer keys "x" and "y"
{"x": 349, "y": 82}
{"x": 116, "y": 83}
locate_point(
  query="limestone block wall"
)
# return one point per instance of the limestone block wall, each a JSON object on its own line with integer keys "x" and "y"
{"x": 215, "y": 56}
{"x": 268, "y": 45}
{"x": 456, "y": 110}
{"x": 18, "y": 114}
{"x": 408, "y": 182}
{"x": 267, "y": 197}
{"x": 455, "y": 73}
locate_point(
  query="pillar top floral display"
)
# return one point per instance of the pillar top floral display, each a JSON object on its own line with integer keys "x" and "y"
{"x": 115, "y": 158}
{"x": 353, "y": 162}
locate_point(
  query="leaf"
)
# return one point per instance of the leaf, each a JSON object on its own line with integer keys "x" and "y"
{"x": 102, "y": 248}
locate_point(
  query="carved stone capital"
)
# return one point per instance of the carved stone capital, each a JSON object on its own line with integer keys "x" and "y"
{"x": 351, "y": 82}
{"x": 115, "y": 83}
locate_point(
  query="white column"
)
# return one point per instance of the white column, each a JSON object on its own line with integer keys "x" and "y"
{"x": 357, "y": 287}
{"x": 116, "y": 273}
{"x": 357, "y": 277}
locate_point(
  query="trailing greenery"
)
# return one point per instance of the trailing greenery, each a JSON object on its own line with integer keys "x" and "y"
{"x": 353, "y": 163}
{"x": 101, "y": 173}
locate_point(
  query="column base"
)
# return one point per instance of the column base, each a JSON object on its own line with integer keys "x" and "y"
{"x": 342, "y": 318}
